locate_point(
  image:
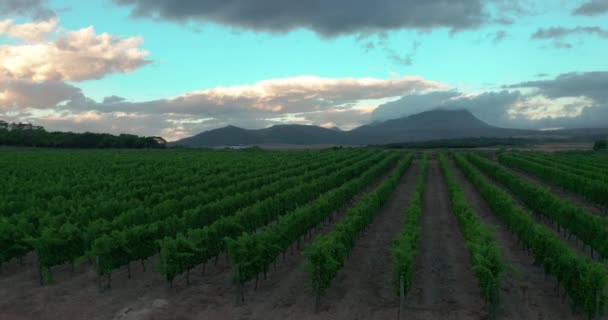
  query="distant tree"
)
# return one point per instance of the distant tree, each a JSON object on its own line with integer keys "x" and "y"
{"x": 27, "y": 135}
{"x": 600, "y": 145}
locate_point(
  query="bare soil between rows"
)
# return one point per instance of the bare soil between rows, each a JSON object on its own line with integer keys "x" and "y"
{"x": 526, "y": 293}
{"x": 74, "y": 295}
{"x": 444, "y": 284}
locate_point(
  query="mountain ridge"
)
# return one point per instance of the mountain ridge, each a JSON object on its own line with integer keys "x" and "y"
{"x": 428, "y": 125}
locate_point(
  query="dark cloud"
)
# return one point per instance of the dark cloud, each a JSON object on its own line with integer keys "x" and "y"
{"x": 560, "y": 32}
{"x": 411, "y": 104}
{"x": 586, "y": 105}
{"x": 592, "y": 85}
{"x": 327, "y": 18}
{"x": 499, "y": 36}
{"x": 592, "y": 8}
{"x": 490, "y": 107}
{"x": 36, "y": 9}
{"x": 561, "y": 45}
{"x": 44, "y": 95}
{"x": 113, "y": 99}
{"x": 405, "y": 59}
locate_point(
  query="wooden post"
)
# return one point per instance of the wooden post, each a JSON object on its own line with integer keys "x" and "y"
{"x": 143, "y": 265}
{"x": 237, "y": 279}
{"x": 318, "y": 294}
{"x": 40, "y": 277}
{"x": 597, "y": 305}
{"x": 401, "y": 296}
{"x": 99, "y": 282}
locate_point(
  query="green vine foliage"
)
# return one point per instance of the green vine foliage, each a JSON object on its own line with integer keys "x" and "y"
{"x": 210, "y": 241}
{"x": 404, "y": 248}
{"x": 486, "y": 259}
{"x": 252, "y": 254}
{"x": 327, "y": 254}
{"x": 589, "y": 228}
{"x": 583, "y": 279}
{"x": 586, "y": 186}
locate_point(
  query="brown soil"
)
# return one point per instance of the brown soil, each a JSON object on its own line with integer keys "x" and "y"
{"x": 526, "y": 292}
{"x": 444, "y": 286}
{"x": 146, "y": 296}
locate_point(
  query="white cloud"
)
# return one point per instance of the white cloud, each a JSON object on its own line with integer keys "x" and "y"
{"x": 30, "y": 32}
{"x": 71, "y": 56}
{"x": 344, "y": 102}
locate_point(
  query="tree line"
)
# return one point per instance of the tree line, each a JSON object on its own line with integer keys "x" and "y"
{"x": 40, "y": 138}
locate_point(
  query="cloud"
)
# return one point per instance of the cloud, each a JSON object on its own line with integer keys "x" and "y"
{"x": 411, "y": 104}
{"x": 286, "y": 95}
{"x": 560, "y": 32}
{"x": 489, "y": 106}
{"x": 71, "y": 56}
{"x": 592, "y": 8}
{"x": 328, "y": 18}
{"x": 36, "y": 9}
{"x": 30, "y": 32}
{"x": 304, "y": 99}
{"x": 591, "y": 85}
{"x": 22, "y": 95}
{"x": 499, "y": 36}
{"x": 340, "y": 118}
{"x": 571, "y": 100}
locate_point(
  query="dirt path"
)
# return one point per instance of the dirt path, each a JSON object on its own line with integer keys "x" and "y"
{"x": 526, "y": 293}
{"x": 444, "y": 285}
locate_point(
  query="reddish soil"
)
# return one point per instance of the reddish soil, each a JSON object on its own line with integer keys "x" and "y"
{"x": 526, "y": 292}
{"x": 444, "y": 286}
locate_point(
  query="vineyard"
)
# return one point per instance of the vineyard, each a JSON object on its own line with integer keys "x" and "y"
{"x": 325, "y": 234}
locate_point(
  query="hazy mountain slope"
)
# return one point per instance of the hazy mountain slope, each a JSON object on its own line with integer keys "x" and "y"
{"x": 429, "y": 125}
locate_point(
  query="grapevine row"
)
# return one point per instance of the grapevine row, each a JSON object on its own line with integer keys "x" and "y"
{"x": 555, "y": 163}
{"x": 583, "y": 280}
{"x": 486, "y": 260}
{"x": 593, "y": 190}
{"x": 252, "y": 253}
{"x": 117, "y": 249}
{"x": 182, "y": 253}
{"x": 405, "y": 246}
{"x": 327, "y": 254}
{"x": 591, "y": 229}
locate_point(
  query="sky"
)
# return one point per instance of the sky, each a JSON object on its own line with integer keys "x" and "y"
{"x": 174, "y": 68}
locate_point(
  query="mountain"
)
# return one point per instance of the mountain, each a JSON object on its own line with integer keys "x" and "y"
{"x": 429, "y": 125}
{"x": 279, "y": 134}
